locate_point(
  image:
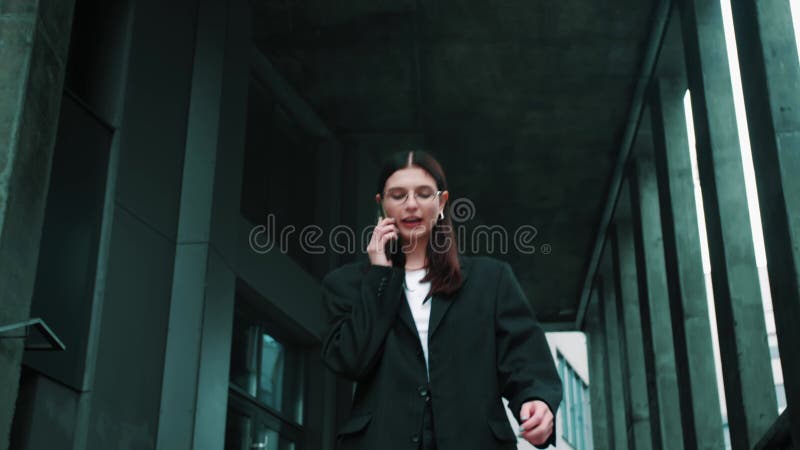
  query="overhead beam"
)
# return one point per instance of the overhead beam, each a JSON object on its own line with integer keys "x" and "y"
{"x": 657, "y": 34}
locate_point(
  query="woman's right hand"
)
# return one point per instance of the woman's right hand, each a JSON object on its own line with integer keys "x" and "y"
{"x": 384, "y": 231}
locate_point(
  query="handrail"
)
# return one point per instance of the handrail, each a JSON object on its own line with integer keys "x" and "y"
{"x": 37, "y": 324}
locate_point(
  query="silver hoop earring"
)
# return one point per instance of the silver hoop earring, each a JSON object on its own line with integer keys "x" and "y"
{"x": 441, "y": 215}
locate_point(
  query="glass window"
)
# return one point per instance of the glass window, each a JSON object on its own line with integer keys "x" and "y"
{"x": 244, "y": 433}
{"x": 572, "y": 412}
{"x": 266, "y": 392}
{"x": 574, "y": 426}
{"x": 272, "y": 193}
{"x": 579, "y": 406}
{"x": 266, "y": 369}
{"x": 565, "y": 410}
{"x": 238, "y": 429}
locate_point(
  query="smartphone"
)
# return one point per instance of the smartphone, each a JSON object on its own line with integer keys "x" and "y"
{"x": 392, "y": 246}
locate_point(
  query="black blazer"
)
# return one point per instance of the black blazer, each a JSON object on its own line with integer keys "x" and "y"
{"x": 483, "y": 342}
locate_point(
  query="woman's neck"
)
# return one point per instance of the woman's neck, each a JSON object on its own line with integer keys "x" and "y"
{"x": 416, "y": 257}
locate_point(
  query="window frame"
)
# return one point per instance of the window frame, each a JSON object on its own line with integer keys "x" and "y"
{"x": 271, "y": 321}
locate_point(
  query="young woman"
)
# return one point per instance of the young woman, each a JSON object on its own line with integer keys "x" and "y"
{"x": 434, "y": 338}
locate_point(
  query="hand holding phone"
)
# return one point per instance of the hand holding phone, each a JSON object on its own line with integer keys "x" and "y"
{"x": 381, "y": 246}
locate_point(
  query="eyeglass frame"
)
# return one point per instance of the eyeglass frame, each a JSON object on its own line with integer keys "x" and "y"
{"x": 408, "y": 192}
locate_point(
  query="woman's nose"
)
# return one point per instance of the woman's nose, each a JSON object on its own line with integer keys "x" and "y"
{"x": 411, "y": 202}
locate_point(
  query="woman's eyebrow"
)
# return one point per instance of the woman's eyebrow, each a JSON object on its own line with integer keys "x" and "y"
{"x": 416, "y": 187}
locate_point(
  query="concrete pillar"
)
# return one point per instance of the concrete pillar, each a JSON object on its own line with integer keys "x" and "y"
{"x": 746, "y": 367}
{"x": 602, "y": 433}
{"x": 665, "y": 407}
{"x": 684, "y": 266}
{"x": 639, "y": 434}
{"x": 211, "y": 407}
{"x": 35, "y": 41}
{"x": 771, "y": 84}
{"x": 185, "y": 332}
{"x": 213, "y": 254}
{"x": 614, "y": 356}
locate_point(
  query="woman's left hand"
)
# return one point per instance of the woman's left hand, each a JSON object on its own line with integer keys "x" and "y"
{"x": 537, "y": 422}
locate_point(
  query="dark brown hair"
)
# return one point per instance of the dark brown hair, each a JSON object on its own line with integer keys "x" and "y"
{"x": 444, "y": 270}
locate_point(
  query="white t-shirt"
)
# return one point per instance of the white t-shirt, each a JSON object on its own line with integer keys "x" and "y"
{"x": 416, "y": 294}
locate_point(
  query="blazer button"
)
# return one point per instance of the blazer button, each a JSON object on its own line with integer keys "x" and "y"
{"x": 415, "y": 438}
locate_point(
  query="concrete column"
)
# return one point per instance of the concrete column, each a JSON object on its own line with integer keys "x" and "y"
{"x": 630, "y": 320}
{"x": 194, "y": 405}
{"x": 211, "y": 407}
{"x": 771, "y": 84}
{"x": 613, "y": 294}
{"x": 602, "y": 433}
{"x": 35, "y": 41}
{"x": 684, "y": 266}
{"x": 665, "y": 406}
{"x": 746, "y": 367}
{"x": 219, "y": 303}
{"x": 179, "y": 390}
{"x": 614, "y": 356}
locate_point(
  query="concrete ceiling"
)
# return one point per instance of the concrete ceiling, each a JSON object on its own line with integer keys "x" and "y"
{"x": 523, "y": 101}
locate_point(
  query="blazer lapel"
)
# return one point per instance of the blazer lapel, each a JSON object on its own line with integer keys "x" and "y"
{"x": 405, "y": 311}
{"x": 440, "y": 306}
{"x": 405, "y": 315}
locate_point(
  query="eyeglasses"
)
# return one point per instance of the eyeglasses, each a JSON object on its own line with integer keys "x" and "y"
{"x": 397, "y": 197}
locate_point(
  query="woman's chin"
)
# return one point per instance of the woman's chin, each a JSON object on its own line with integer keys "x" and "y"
{"x": 412, "y": 235}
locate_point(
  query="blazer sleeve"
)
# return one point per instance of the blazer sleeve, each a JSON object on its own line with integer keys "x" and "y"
{"x": 360, "y": 310}
{"x": 525, "y": 365}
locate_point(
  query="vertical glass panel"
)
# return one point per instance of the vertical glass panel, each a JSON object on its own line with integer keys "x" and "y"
{"x": 237, "y": 431}
{"x": 565, "y": 383}
{"x": 244, "y": 356}
{"x": 576, "y": 423}
{"x": 270, "y": 387}
{"x": 574, "y": 413}
{"x": 267, "y": 369}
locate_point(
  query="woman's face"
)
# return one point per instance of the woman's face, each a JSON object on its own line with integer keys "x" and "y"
{"x": 415, "y": 215}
